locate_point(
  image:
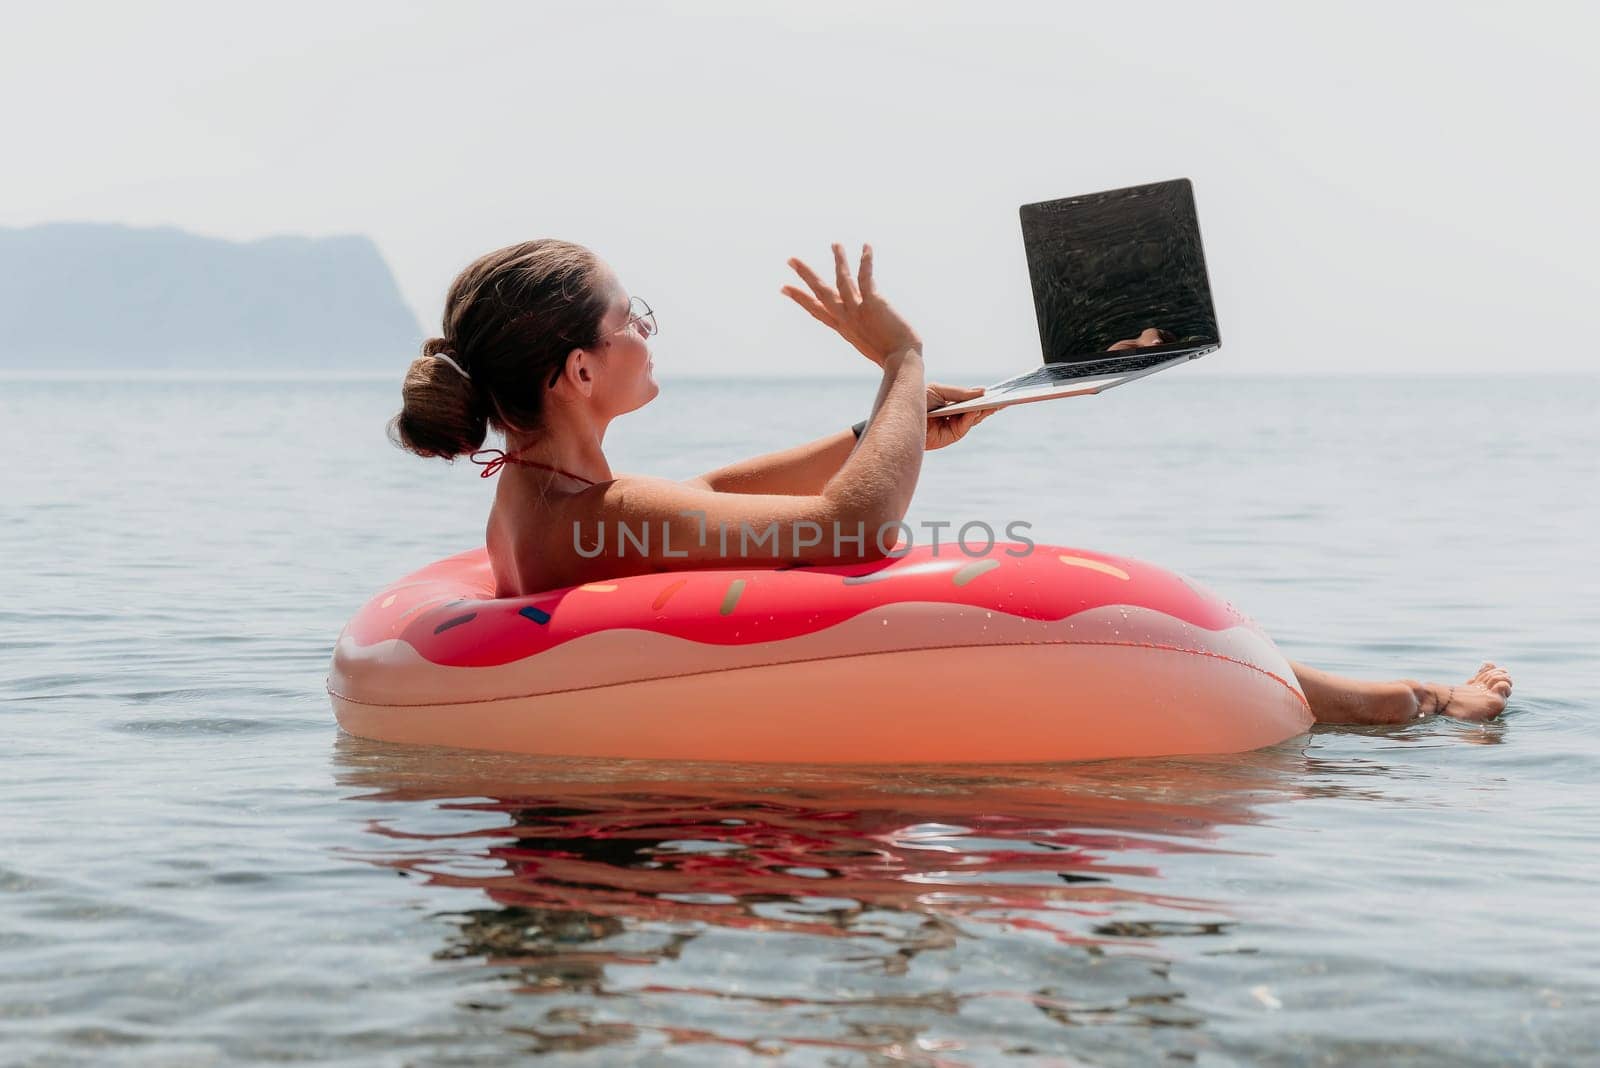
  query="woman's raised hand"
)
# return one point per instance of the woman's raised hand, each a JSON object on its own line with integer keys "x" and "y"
{"x": 853, "y": 307}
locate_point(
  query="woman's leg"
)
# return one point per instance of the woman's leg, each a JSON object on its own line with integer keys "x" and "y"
{"x": 1339, "y": 700}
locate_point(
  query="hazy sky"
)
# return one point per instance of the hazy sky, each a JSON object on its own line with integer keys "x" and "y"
{"x": 1389, "y": 186}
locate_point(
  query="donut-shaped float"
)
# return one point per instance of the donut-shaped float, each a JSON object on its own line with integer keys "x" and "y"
{"x": 1025, "y": 654}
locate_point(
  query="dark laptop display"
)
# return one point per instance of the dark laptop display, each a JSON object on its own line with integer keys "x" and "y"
{"x": 1119, "y": 273}
{"x": 1119, "y": 289}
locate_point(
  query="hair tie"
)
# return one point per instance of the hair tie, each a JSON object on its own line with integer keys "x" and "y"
{"x": 462, "y": 371}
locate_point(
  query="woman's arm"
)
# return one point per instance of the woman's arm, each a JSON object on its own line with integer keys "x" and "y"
{"x": 802, "y": 470}
{"x": 854, "y": 309}
{"x": 888, "y": 459}
{"x": 806, "y": 468}
{"x": 677, "y": 525}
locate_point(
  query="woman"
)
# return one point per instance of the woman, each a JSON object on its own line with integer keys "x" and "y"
{"x": 542, "y": 342}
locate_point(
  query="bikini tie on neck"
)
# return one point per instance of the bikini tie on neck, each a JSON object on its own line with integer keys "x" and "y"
{"x": 497, "y": 459}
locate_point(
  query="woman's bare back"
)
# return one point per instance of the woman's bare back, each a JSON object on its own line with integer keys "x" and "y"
{"x": 535, "y": 534}
{"x": 530, "y": 543}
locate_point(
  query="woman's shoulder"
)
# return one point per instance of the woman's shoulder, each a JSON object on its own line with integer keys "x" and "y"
{"x": 649, "y": 485}
{"x": 543, "y": 543}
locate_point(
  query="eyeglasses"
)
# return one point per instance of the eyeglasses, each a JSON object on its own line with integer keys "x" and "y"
{"x": 638, "y": 312}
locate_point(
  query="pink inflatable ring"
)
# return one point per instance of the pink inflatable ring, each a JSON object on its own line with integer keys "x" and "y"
{"x": 1049, "y": 655}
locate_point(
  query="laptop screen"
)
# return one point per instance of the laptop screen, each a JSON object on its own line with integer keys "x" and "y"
{"x": 1119, "y": 273}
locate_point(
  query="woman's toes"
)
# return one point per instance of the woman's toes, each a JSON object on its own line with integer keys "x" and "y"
{"x": 1487, "y": 674}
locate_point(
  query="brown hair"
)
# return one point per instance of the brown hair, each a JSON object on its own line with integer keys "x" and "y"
{"x": 510, "y": 320}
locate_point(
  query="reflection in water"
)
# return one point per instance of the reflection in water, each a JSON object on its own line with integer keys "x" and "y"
{"x": 907, "y": 915}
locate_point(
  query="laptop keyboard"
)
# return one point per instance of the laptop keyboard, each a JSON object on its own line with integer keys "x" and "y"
{"x": 1052, "y": 373}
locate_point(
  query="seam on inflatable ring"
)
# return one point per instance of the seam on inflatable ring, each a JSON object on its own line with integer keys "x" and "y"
{"x": 814, "y": 659}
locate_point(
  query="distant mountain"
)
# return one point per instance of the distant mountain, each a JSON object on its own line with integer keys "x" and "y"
{"x": 94, "y": 295}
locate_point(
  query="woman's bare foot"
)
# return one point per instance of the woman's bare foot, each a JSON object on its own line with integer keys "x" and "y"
{"x": 1334, "y": 699}
{"x": 1481, "y": 697}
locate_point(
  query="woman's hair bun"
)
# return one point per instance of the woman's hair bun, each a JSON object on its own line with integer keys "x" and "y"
{"x": 439, "y": 414}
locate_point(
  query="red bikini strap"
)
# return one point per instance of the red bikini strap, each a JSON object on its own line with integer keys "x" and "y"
{"x": 490, "y": 466}
{"x": 500, "y": 459}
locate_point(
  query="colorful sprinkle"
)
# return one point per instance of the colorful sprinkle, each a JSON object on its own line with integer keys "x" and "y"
{"x": 414, "y": 609}
{"x": 731, "y": 598}
{"x": 389, "y": 600}
{"x": 599, "y": 587}
{"x": 1095, "y": 565}
{"x": 873, "y": 576}
{"x": 973, "y": 570}
{"x": 664, "y": 595}
{"x": 538, "y": 615}
{"x": 456, "y": 622}
{"x": 927, "y": 567}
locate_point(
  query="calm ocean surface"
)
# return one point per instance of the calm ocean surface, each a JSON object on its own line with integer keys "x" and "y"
{"x": 196, "y": 868}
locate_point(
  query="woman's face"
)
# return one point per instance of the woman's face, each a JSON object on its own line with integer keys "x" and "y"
{"x": 626, "y": 373}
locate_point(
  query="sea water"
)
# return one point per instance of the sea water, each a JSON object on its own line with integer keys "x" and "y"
{"x": 197, "y": 868}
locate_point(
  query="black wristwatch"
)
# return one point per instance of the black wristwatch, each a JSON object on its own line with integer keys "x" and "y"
{"x": 858, "y": 428}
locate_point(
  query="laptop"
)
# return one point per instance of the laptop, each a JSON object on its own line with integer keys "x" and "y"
{"x": 1119, "y": 289}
